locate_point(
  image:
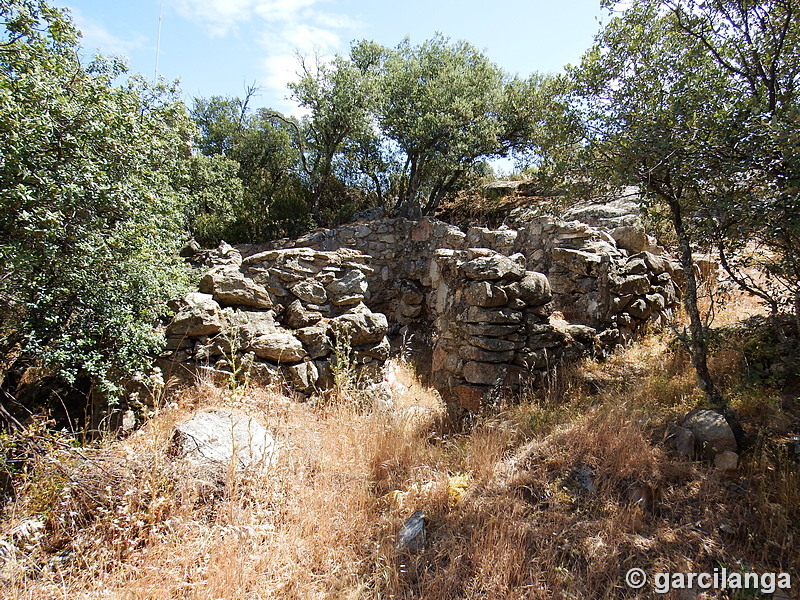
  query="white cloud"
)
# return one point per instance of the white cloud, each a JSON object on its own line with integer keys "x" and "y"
{"x": 309, "y": 38}
{"x": 95, "y": 37}
{"x": 281, "y": 28}
{"x": 220, "y": 17}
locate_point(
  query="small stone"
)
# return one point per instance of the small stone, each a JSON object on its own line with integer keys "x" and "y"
{"x": 411, "y": 537}
{"x": 726, "y": 461}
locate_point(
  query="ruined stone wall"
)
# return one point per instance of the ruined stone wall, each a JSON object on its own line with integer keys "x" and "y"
{"x": 618, "y": 285}
{"x": 504, "y": 306}
{"x": 278, "y": 316}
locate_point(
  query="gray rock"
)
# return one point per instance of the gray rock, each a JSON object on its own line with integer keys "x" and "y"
{"x": 248, "y": 324}
{"x": 379, "y": 351}
{"x": 631, "y": 238}
{"x": 483, "y": 293}
{"x": 492, "y": 268}
{"x": 199, "y": 315}
{"x": 352, "y": 283}
{"x": 295, "y": 316}
{"x": 505, "y": 316}
{"x": 494, "y": 344}
{"x": 360, "y": 327}
{"x": 489, "y": 330}
{"x": 229, "y": 286}
{"x": 223, "y": 437}
{"x": 302, "y": 376}
{"x": 484, "y": 373}
{"x": 309, "y": 291}
{"x": 711, "y": 431}
{"x": 634, "y": 284}
{"x": 280, "y": 346}
{"x": 726, "y": 461}
{"x": 576, "y": 261}
{"x": 315, "y": 340}
{"x": 411, "y": 537}
{"x": 533, "y": 289}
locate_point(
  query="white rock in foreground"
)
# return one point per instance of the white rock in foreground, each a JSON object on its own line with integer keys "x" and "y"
{"x": 217, "y": 437}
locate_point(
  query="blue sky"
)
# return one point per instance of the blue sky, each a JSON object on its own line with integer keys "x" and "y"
{"x": 217, "y": 47}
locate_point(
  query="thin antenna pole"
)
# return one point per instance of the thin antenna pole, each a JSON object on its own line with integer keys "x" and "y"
{"x": 158, "y": 42}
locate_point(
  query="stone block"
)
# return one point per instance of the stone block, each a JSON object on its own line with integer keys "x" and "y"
{"x": 472, "y": 397}
{"x": 504, "y": 316}
{"x": 473, "y": 353}
{"x": 279, "y": 346}
{"x": 576, "y": 261}
{"x": 484, "y": 373}
{"x": 483, "y": 293}
{"x": 492, "y": 268}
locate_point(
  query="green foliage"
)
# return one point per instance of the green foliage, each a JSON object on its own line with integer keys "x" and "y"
{"x": 250, "y": 173}
{"x": 340, "y": 98}
{"x": 400, "y": 128}
{"x": 213, "y": 192}
{"x": 440, "y": 105}
{"x": 89, "y": 220}
{"x": 697, "y": 102}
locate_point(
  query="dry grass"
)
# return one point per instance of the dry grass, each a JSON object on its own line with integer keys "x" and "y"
{"x": 533, "y": 501}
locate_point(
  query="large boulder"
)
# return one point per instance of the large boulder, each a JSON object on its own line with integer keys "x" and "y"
{"x": 221, "y": 438}
{"x": 279, "y": 346}
{"x": 229, "y": 286}
{"x": 199, "y": 314}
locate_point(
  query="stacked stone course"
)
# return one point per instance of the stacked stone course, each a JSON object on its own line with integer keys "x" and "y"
{"x": 279, "y": 315}
{"x": 505, "y": 305}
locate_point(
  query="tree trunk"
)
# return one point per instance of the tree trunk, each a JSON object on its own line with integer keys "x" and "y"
{"x": 697, "y": 345}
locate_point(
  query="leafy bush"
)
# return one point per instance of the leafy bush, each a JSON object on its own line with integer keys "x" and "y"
{"x": 89, "y": 220}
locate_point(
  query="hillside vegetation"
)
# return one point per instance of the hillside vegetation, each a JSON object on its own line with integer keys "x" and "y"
{"x": 557, "y": 496}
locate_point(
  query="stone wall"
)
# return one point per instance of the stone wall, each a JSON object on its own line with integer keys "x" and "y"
{"x": 279, "y": 316}
{"x": 618, "y": 285}
{"x": 495, "y": 332}
{"x": 504, "y": 305}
